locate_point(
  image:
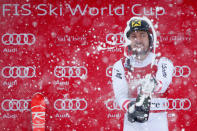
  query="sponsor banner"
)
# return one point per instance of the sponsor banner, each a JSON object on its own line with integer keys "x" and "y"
{"x": 115, "y": 39}
{"x": 179, "y": 71}
{"x": 66, "y": 51}
{"x": 157, "y": 104}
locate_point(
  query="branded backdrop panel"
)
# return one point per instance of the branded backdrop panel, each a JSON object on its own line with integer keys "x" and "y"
{"x": 66, "y": 50}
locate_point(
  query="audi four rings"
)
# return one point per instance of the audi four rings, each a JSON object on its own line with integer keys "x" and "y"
{"x": 115, "y": 39}
{"x": 179, "y": 71}
{"x": 183, "y": 71}
{"x": 178, "y": 104}
{"x": 16, "y": 105}
{"x": 70, "y": 71}
{"x": 18, "y": 72}
{"x": 70, "y": 104}
{"x": 18, "y": 39}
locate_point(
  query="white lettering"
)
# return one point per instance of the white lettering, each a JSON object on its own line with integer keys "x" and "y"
{"x": 73, "y": 12}
{"x": 28, "y": 10}
{"x": 4, "y": 8}
{"x": 7, "y": 50}
{"x": 52, "y": 11}
{"x": 114, "y": 115}
{"x": 62, "y": 115}
{"x": 16, "y": 9}
{"x": 94, "y": 11}
{"x": 63, "y": 83}
{"x": 10, "y": 84}
{"x": 41, "y": 9}
{"x": 121, "y": 9}
{"x": 110, "y": 10}
{"x": 158, "y": 9}
{"x": 148, "y": 12}
{"x": 102, "y": 9}
{"x": 60, "y": 9}
{"x": 115, "y": 50}
{"x": 132, "y": 9}
{"x": 71, "y": 38}
{"x": 10, "y": 116}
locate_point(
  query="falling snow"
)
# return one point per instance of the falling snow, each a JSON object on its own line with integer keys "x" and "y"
{"x": 72, "y": 58}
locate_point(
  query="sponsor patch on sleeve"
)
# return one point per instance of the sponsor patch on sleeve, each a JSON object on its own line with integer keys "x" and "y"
{"x": 118, "y": 74}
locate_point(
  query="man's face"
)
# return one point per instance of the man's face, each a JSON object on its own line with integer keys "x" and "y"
{"x": 139, "y": 42}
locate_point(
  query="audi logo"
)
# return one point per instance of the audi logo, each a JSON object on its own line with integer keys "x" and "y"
{"x": 181, "y": 71}
{"x": 178, "y": 104}
{"x": 70, "y": 71}
{"x": 111, "y": 104}
{"x": 115, "y": 39}
{"x": 15, "y": 105}
{"x": 109, "y": 71}
{"x": 70, "y": 104}
{"x": 18, "y": 39}
{"x": 18, "y": 72}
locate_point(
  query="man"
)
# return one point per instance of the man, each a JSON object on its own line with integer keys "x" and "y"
{"x": 138, "y": 80}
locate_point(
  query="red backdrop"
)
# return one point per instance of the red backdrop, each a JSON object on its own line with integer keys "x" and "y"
{"x": 65, "y": 50}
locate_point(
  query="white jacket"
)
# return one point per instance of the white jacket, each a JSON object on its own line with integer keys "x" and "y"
{"x": 125, "y": 83}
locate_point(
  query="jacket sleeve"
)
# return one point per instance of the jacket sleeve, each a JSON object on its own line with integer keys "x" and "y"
{"x": 120, "y": 86}
{"x": 164, "y": 74}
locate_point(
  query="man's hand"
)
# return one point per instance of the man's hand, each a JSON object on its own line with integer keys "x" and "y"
{"x": 139, "y": 111}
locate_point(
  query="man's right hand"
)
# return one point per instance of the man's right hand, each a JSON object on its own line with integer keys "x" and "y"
{"x": 139, "y": 111}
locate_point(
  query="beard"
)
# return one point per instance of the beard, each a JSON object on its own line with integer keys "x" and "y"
{"x": 140, "y": 51}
